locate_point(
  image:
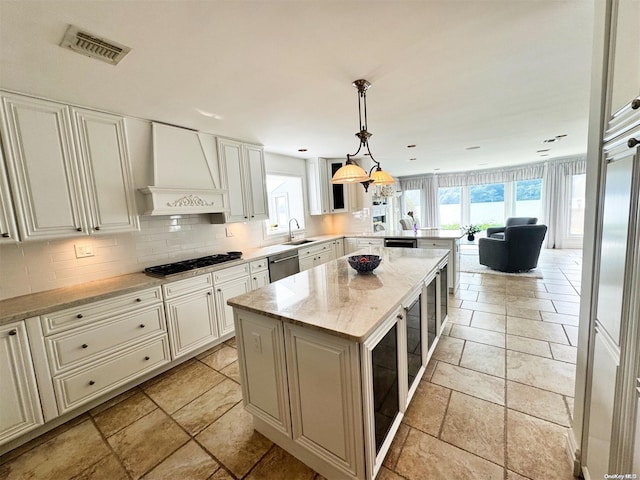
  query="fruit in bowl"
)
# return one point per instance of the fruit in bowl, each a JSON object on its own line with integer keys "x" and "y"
{"x": 364, "y": 263}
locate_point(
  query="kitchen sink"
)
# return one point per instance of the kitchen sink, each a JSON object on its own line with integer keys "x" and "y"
{"x": 299, "y": 242}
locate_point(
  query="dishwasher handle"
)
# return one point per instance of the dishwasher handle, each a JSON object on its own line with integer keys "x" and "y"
{"x": 283, "y": 259}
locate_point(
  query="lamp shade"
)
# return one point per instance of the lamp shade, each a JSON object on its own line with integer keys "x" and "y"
{"x": 350, "y": 173}
{"x": 380, "y": 177}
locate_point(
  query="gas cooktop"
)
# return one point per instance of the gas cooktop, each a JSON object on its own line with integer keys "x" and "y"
{"x": 167, "y": 269}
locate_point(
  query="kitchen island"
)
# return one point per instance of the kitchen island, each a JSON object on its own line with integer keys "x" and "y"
{"x": 329, "y": 359}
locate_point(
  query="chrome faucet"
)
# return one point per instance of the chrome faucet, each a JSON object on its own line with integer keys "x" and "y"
{"x": 297, "y": 225}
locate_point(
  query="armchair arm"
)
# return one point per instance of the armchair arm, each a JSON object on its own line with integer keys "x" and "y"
{"x": 493, "y": 253}
{"x": 492, "y": 230}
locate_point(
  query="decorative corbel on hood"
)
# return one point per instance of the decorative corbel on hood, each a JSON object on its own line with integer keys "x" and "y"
{"x": 186, "y": 173}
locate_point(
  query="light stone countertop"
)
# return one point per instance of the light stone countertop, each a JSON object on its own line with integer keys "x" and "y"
{"x": 421, "y": 233}
{"x": 39, "y": 303}
{"x": 334, "y": 298}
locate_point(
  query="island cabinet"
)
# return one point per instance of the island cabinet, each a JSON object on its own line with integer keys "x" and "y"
{"x": 329, "y": 359}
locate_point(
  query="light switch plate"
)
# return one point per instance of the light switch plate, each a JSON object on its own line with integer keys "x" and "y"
{"x": 84, "y": 250}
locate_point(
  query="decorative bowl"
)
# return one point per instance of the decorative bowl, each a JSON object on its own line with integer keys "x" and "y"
{"x": 364, "y": 263}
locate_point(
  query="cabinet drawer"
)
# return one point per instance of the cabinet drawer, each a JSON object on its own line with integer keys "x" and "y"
{"x": 258, "y": 265}
{"x": 187, "y": 285}
{"x": 230, "y": 273}
{"x": 366, "y": 242}
{"x": 70, "y": 348}
{"x": 76, "y": 388}
{"x": 315, "y": 249}
{"x": 91, "y": 312}
{"x": 426, "y": 243}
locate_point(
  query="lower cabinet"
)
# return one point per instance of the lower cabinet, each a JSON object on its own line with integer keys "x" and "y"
{"x": 191, "y": 314}
{"x": 259, "y": 273}
{"x": 20, "y": 409}
{"x": 229, "y": 282}
{"x": 309, "y": 257}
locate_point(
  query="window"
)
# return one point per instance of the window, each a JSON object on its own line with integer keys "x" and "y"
{"x": 528, "y": 198}
{"x": 412, "y": 204}
{"x": 487, "y": 204}
{"x": 286, "y": 201}
{"x": 450, "y": 207}
{"x": 576, "y": 209}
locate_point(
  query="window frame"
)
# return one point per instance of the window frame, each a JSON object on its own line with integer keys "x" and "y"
{"x": 283, "y": 232}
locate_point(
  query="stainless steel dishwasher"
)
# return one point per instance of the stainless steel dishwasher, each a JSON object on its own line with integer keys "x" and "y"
{"x": 283, "y": 265}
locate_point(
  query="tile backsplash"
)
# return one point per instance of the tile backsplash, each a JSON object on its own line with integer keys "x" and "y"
{"x": 30, "y": 267}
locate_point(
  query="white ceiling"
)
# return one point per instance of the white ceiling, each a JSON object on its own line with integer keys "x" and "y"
{"x": 504, "y": 75}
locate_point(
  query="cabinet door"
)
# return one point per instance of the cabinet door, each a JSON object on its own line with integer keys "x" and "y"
{"x": 339, "y": 248}
{"x": 317, "y": 186}
{"x": 230, "y": 153}
{"x": 326, "y": 406}
{"x": 324, "y": 256}
{"x": 259, "y": 279}
{"x": 338, "y": 193}
{"x": 8, "y": 227}
{"x": 192, "y": 322}
{"x": 104, "y": 155}
{"x": 255, "y": 182}
{"x": 224, "y": 292}
{"x": 42, "y": 167}
{"x": 19, "y": 403}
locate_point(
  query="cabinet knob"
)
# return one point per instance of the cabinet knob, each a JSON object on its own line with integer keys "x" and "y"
{"x": 252, "y": 216}
{"x": 79, "y": 229}
{"x": 147, "y": 358}
{"x": 255, "y": 278}
{"x": 91, "y": 382}
{"x": 246, "y": 216}
{"x": 635, "y": 104}
{"x": 5, "y": 235}
{"x": 13, "y": 332}
{"x": 138, "y": 299}
{"x": 96, "y": 228}
{"x": 84, "y": 345}
{"x": 209, "y": 293}
{"x": 79, "y": 315}
{"x": 633, "y": 142}
{"x": 218, "y": 289}
{"x": 400, "y": 316}
{"x": 142, "y": 325}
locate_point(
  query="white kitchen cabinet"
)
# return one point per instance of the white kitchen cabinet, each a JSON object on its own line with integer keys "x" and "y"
{"x": 191, "y": 314}
{"x": 259, "y": 270}
{"x": 69, "y": 169}
{"x": 86, "y": 351}
{"x": 338, "y": 247}
{"x": 325, "y": 197}
{"x": 19, "y": 402}
{"x": 8, "y": 227}
{"x": 309, "y": 257}
{"x": 244, "y": 175}
{"x": 229, "y": 282}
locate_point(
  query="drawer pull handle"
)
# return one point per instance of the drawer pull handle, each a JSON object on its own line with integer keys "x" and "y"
{"x": 147, "y": 358}
{"x": 84, "y": 345}
{"x": 79, "y": 315}
{"x": 13, "y": 332}
{"x": 5, "y": 235}
{"x": 78, "y": 229}
{"x": 633, "y": 142}
{"x": 142, "y": 325}
{"x": 635, "y": 104}
{"x": 91, "y": 382}
{"x": 96, "y": 228}
{"x": 138, "y": 299}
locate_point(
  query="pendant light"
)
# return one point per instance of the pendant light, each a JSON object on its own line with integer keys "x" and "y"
{"x": 350, "y": 172}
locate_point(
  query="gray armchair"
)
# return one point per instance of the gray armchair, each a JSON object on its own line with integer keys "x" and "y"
{"x": 518, "y": 251}
{"x": 498, "y": 232}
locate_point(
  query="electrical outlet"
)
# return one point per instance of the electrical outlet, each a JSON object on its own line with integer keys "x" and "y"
{"x": 83, "y": 251}
{"x": 228, "y": 231}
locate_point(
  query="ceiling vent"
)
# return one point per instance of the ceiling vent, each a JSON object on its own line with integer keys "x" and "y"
{"x": 93, "y": 46}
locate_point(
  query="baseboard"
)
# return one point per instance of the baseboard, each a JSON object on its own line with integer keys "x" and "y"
{"x": 574, "y": 454}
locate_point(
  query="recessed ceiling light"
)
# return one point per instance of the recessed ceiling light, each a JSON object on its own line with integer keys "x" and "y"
{"x": 475, "y": 147}
{"x": 204, "y": 113}
{"x": 483, "y": 164}
{"x": 412, "y": 159}
{"x": 561, "y": 136}
{"x": 549, "y": 140}
{"x": 411, "y": 146}
{"x": 302, "y": 149}
{"x": 544, "y": 154}
{"x": 436, "y": 169}
{"x": 543, "y": 150}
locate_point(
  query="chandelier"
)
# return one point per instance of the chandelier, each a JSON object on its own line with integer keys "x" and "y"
{"x": 351, "y": 172}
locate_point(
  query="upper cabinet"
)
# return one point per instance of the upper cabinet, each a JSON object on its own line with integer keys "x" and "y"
{"x": 624, "y": 68}
{"x": 325, "y": 197}
{"x": 244, "y": 178}
{"x": 8, "y": 227}
{"x": 186, "y": 174}
{"x": 69, "y": 169}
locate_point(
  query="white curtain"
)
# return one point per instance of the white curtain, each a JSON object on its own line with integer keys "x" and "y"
{"x": 556, "y": 185}
{"x": 428, "y": 186}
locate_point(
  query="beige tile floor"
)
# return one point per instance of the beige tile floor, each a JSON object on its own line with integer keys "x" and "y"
{"x": 495, "y": 403}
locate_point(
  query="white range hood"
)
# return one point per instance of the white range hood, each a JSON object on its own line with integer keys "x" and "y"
{"x": 186, "y": 173}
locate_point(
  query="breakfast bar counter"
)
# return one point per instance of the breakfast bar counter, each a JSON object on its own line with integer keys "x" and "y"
{"x": 330, "y": 358}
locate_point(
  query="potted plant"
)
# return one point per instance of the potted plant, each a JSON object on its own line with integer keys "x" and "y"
{"x": 470, "y": 231}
